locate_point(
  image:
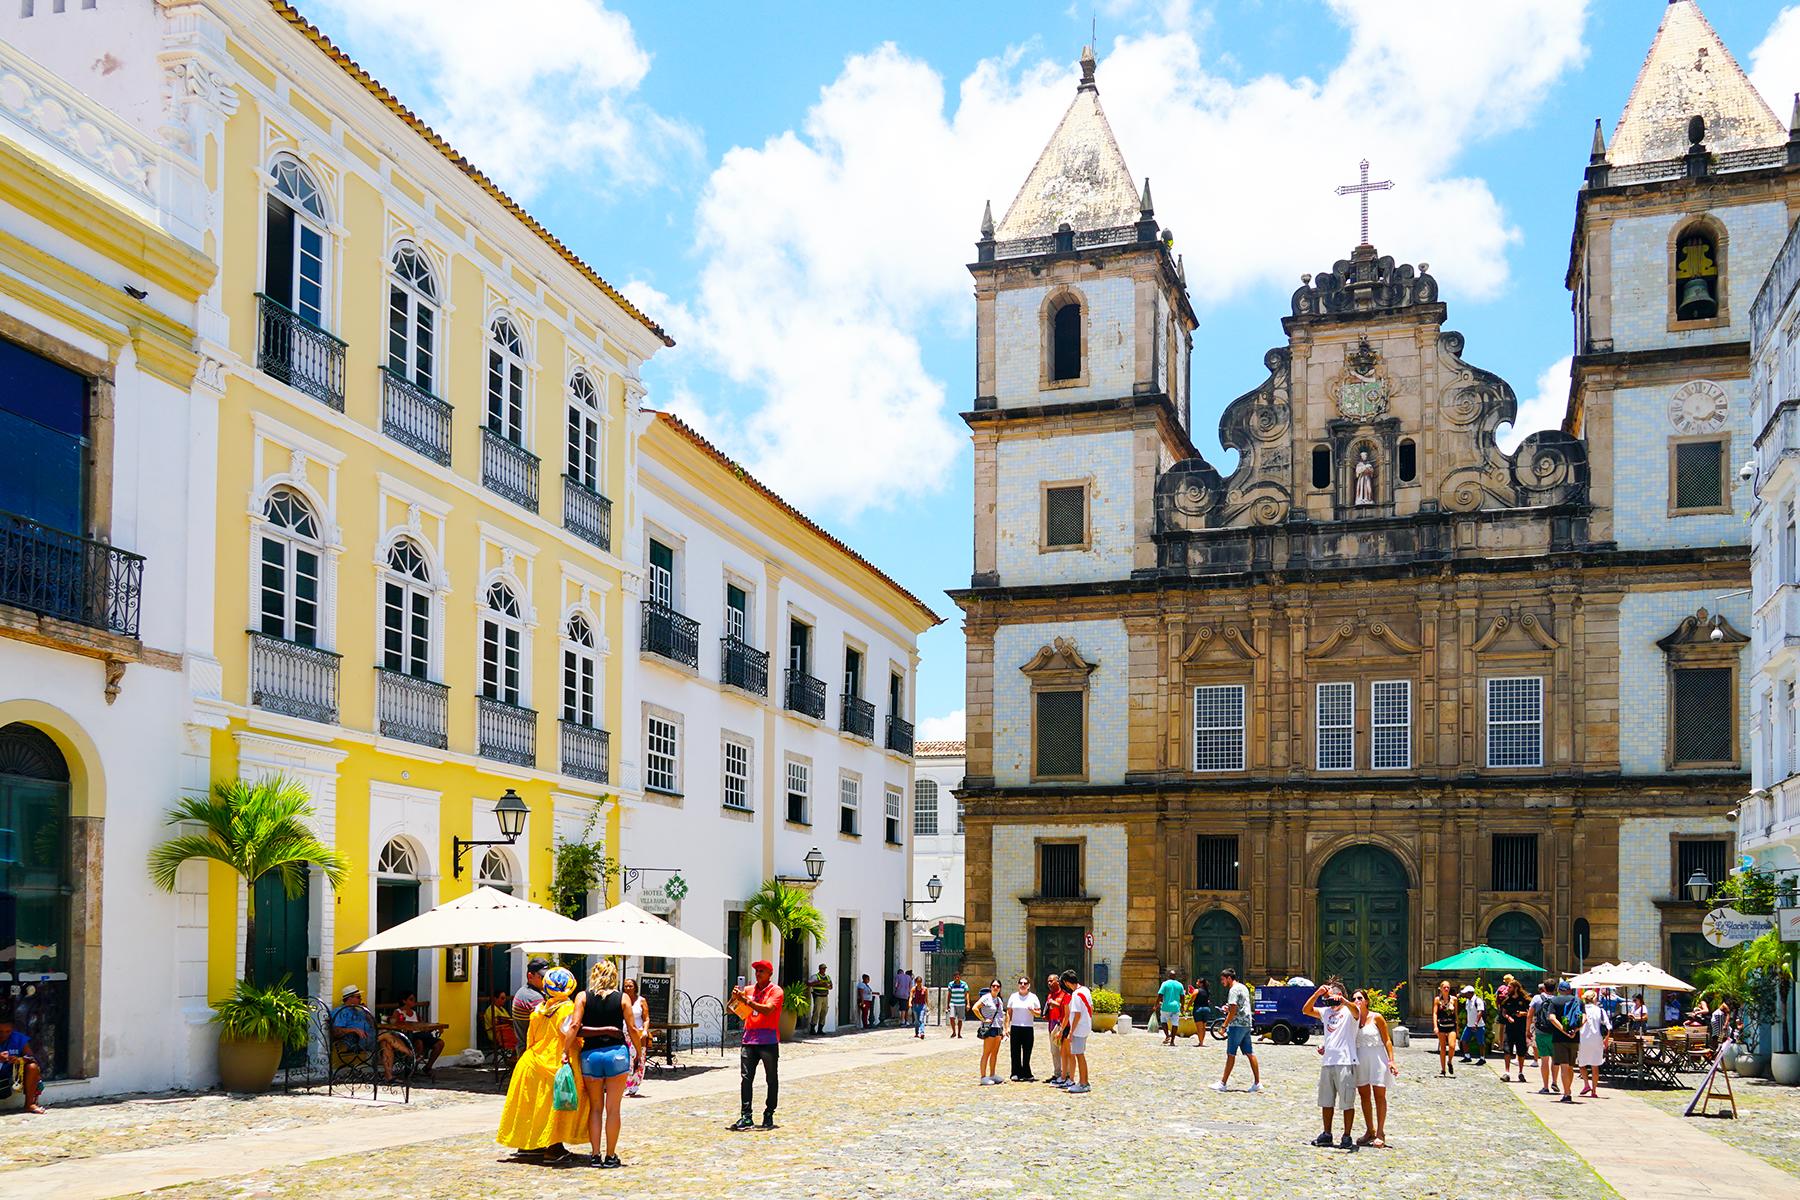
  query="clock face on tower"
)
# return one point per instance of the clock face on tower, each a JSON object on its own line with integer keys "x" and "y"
{"x": 1699, "y": 407}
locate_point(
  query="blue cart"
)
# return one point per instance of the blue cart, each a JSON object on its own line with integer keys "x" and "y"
{"x": 1275, "y": 1013}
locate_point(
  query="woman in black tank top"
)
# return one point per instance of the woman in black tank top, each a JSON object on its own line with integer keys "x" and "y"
{"x": 608, "y": 1027}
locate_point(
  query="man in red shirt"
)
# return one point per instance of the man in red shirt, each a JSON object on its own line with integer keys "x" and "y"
{"x": 760, "y": 1007}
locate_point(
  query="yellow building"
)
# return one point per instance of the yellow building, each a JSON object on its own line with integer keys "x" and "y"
{"x": 417, "y": 587}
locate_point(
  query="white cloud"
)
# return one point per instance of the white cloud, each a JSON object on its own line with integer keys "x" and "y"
{"x": 830, "y": 252}
{"x": 526, "y": 91}
{"x": 1542, "y": 411}
{"x": 950, "y": 727}
{"x": 1775, "y": 63}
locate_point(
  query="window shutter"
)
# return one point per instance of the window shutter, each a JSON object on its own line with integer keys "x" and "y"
{"x": 1699, "y": 475}
{"x": 1703, "y": 703}
{"x": 1065, "y": 516}
{"x": 1059, "y": 733}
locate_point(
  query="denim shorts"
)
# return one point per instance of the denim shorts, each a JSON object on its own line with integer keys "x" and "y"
{"x": 1238, "y": 1040}
{"x": 606, "y": 1063}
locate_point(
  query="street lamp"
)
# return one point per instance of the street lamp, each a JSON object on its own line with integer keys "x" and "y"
{"x": 509, "y": 813}
{"x": 815, "y": 863}
{"x": 934, "y": 887}
{"x": 1697, "y": 886}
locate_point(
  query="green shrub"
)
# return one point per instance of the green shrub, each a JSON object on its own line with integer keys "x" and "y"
{"x": 1107, "y": 1001}
{"x": 258, "y": 1014}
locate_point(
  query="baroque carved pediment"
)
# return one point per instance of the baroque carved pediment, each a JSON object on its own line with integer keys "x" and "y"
{"x": 1059, "y": 661}
{"x": 1217, "y": 643}
{"x": 1516, "y": 632}
{"x": 1361, "y": 637}
{"x": 1696, "y": 633}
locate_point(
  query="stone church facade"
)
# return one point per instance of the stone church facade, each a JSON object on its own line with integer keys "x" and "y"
{"x": 1383, "y": 690}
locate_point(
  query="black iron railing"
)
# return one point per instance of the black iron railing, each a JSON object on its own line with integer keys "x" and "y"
{"x": 586, "y": 513}
{"x": 899, "y": 735}
{"x": 668, "y": 633}
{"x": 742, "y": 666}
{"x": 57, "y": 574}
{"x": 857, "y": 717}
{"x": 412, "y": 709}
{"x": 806, "y": 694}
{"x": 300, "y": 354}
{"x": 505, "y": 732}
{"x": 585, "y": 752}
{"x": 292, "y": 679}
{"x": 414, "y": 417}
{"x": 509, "y": 470}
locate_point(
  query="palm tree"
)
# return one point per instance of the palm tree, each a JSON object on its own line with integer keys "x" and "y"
{"x": 255, "y": 829}
{"x": 787, "y": 911}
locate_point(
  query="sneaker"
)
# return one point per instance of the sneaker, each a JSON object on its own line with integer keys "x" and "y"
{"x": 1220, "y": 1087}
{"x": 1544, "y": 1091}
{"x": 768, "y": 1121}
{"x": 1567, "y": 1100}
{"x": 1079, "y": 1089}
{"x": 743, "y": 1122}
{"x": 1345, "y": 1143}
{"x": 1255, "y": 1087}
{"x": 1324, "y": 1139}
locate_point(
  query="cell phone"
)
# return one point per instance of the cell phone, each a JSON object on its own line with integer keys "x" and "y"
{"x": 740, "y": 981}
{"x": 1328, "y": 1002}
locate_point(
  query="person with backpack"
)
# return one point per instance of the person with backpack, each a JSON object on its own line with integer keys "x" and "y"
{"x": 1564, "y": 1014}
{"x": 1542, "y": 1039}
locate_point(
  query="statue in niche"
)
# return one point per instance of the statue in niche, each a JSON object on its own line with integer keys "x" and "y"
{"x": 1365, "y": 479}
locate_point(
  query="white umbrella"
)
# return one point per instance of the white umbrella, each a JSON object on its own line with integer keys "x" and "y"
{"x": 1630, "y": 975}
{"x": 628, "y": 929}
{"x": 484, "y": 917}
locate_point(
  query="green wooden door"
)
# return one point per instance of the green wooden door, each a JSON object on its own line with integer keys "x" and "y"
{"x": 948, "y": 960}
{"x": 1518, "y": 935}
{"x": 35, "y": 886}
{"x": 1057, "y": 948}
{"x": 397, "y": 971}
{"x": 1362, "y": 918}
{"x": 1218, "y": 943}
{"x": 281, "y": 934}
{"x": 845, "y": 983}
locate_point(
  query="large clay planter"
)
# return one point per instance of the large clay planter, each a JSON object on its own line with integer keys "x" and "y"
{"x": 789, "y": 1022}
{"x": 1187, "y": 1028}
{"x": 1104, "y": 1022}
{"x": 1785, "y": 1069}
{"x": 248, "y": 1066}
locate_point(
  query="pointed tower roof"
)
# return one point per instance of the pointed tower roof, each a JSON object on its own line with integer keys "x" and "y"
{"x": 1689, "y": 72}
{"x": 1081, "y": 176}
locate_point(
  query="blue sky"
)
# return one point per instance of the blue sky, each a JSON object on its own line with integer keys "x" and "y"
{"x": 793, "y": 190}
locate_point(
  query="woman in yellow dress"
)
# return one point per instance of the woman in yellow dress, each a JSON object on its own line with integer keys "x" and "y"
{"x": 530, "y": 1122}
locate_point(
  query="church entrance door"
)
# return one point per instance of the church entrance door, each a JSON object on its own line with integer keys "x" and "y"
{"x": 1218, "y": 943}
{"x": 1362, "y": 918}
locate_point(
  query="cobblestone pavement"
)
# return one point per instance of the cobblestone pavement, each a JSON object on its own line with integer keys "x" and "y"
{"x": 922, "y": 1126}
{"x": 1768, "y": 1122}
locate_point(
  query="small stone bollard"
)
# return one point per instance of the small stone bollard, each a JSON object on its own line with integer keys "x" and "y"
{"x": 1124, "y": 1025}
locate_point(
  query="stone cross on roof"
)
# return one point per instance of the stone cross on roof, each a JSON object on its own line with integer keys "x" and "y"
{"x": 1361, "y": 192}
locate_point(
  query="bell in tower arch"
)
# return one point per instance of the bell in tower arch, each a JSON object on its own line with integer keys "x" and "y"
{"x": 1696, "y": 279}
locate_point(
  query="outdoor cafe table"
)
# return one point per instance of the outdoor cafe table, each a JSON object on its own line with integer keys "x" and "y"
{"x": 409, "y": 1028}
{"x": 1649, "y": 1058}
{"x": 666, "y": 1031}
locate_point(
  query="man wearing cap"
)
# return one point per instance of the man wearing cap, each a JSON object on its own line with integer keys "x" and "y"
{"x": 1514, "y": 1007}
{"x": 761, "y": 1005}
{"x": 1564, "y": 1014}
{"x": 354, "y": 1030}
{"x": 1474, "y": 1027}
{"x": 528, "y": 997}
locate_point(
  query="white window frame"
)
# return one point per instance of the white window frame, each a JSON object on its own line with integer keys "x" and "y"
{"x": 737, "y": 624}
{"x": 309, "y": 215}
{"x": 893, "y": 813}
{"x": 580, "y": 672}
{"x": 659, "y": 584}
{"x": 1334, "y": 726}
{"x": 737, "y": 781}
{"x": 414, "y": 318}
{"x": 1536, "y": 696}
{"x": 496, "y": 625}
{"x": 508, "y": 376}
{"x": 586, "y": 449}
{"x": 415, "y": 590}
{"x": 293, "y": 545}
{"x": 1230, "y": 762}
{"x": 924, "y": 803}
{"x": 1385, "y": 737}
{"x": 662, "y": 753}
{"x": 850, "y": 801}
{"x": 797, "y": 779}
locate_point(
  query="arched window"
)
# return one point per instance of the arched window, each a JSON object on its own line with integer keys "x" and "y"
{"x": 578, "y": 672}
{"x": 1065, "y": 341}
{"x": 506, "y": 382}
{"x": 413, "y": 318}
{"x": 396, "y": 861}
{"x": 584, "y": 432}
{"x": 496, "y": 871}
{"x": 925, "y": 808}
{"x": 1696, "y": 274}
{"x": 289, "y": 555}
{"x": 502, "y": 639}
{"x": 1409, "y": 460}
{"x": 406, "y": 596}
{"x": 294, "y": 258}
{"x": 1321, "y": 467}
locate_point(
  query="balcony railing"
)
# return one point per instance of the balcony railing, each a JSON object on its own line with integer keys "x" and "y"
{"x": 586, "y": 513}
{"x": 505, "y": 732}
{"x": 899, "y": 736}
{"x": 668, "y": 633}
{"x": 585, "y": 752}
{"x": 743, "y": 666}
{"x": 509, "y": 470}
{"x": 294, "y": 680}
{"x": 857, "y": 717}
{"x": 805, "y": 694}
{"x": 70, "y": 578}
{"x": 412, "y": 709}
{"x": 415, "y": 418}
{"x": 300, "y": 354}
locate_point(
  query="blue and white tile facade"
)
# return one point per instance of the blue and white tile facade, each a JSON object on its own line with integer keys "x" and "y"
{"x": 1102, "y": 643}
{"x": 1641, "y": 433}
{"x": 1103, "y": 462}
{"x": 1640, "y": 274}
{"x": 1019, "y": 331}
{"x": 1015, "y": 877}
{"x": 1644, "y": 674}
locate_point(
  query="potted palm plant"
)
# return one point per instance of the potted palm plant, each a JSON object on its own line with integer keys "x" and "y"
{"x": 785, "y": 911}
{"x": 256, "y": 828}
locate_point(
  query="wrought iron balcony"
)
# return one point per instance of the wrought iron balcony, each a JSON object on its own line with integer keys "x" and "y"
{"x": 806, "y": 694}
{"x": 300, "y": 354}
{"x": 292, "y": 679}
{"x": 505, "y": 732}
{"x": 70, "y": 578}
{"x": 586, "y": 752}
{"x": 412, "y": 709}
{"x": 586, "y": 513}
{"x": 509, "y": 470}
{"x": 414, "y": 417}
{"x": 668, "y": 633}
{"x": 857, "y": 717}
{"x": 742, "y": 666}
{"x": 899, "y": 736}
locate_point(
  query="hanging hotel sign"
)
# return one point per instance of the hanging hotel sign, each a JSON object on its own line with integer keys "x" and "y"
{"x": 656, "y": 901}
{"x": 1727, "y": 927}
{"x": 1790, "y": 924}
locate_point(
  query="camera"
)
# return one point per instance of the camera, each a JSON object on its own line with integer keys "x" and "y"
{"x": 1328, "y": 1002}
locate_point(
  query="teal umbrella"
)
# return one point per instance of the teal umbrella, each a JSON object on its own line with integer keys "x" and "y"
{"x": 1481, "y": 958}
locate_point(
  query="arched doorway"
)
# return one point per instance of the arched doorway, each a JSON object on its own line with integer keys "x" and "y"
{"x": 1362, "y": 917}
{"x": 1218, "y": 943}
{"x": 34, "y": 892}
{"x": 1519, "y": 935}
{"x": 396, "y": 900}
{"x": 493, "y": 964}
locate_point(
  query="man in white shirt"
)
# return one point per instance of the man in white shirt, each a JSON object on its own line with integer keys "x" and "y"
{"x": 1337, "y": 1072}
{"x": 1081, "y": 1023}
{"x": 1474, "y": 1027}
{"x": 1022, "y": 1008}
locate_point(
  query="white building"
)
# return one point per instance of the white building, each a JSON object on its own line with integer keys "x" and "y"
{"x": 768, "y": 714}
{"x": 938, "y": 854}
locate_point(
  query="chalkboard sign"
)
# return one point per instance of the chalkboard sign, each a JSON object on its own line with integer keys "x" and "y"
{"x": 658, "y": 992}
